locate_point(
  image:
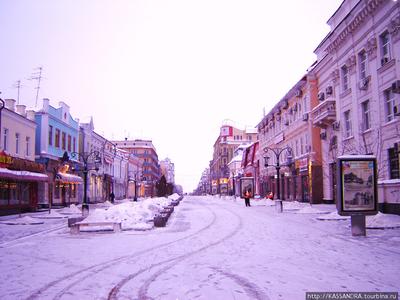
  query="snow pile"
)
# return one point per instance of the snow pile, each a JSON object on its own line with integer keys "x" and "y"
{"x": 132, "y": 215}
{"x": 310, "y": 210}
{"x": 269, "y": 202}
{"x": 71, "y": 210}
{"x": 333, "y": 216}
{"x": 26, "y": 220}
{"x": 293, "y": 205}
{"x": 174, "y": 196}
{"x": 381, "y": 221}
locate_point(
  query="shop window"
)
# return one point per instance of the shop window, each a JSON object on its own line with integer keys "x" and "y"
{"x": 57, "y": 191}
{"x": 12, "y": 186}
{"x": 393, "y": 163}
{"x": 4, "y": 192}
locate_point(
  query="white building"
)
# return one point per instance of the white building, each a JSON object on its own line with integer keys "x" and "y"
{"x": 358, "y": 72}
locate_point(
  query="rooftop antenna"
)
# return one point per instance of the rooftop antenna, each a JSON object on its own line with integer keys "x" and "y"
{"x": 37, "y": 76}
{"x": 18, "y": 86}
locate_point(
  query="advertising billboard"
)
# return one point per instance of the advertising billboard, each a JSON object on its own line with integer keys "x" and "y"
{"x": 357, "y": 185}
{"x": 246, "y": 183}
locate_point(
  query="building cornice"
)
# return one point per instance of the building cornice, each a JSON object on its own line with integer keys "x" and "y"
{"x": 369, "y": 9}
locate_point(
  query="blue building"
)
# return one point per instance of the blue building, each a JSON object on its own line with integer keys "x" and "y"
{"x": 56, "y": 133}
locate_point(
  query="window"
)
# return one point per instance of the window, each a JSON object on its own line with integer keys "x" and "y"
{"x": 345, "y": 78}
{"x": 366, "y": 117}
{"x": 69, "y": 143}
{"x": 301, "y": 146}
{"x": 347, "y": 124}
{"x": 5, "y": 139}
{"x": 50, "y": 135}
{"x": 389, "y": 104}
{"x": 393, "y": 163}
{"x": 63, "y": 140}
{"x": 17, "y": 143}
{"x": 362, "y": 60}
{"x": 384, "y": 40}
{"x": 74, "y": 144}
{"x": 28, "y": 140}
{"x": 57, "y": 138}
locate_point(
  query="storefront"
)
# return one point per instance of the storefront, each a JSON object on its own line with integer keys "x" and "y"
{"x": 66, "y": 188}
{"x": 20, "y": 181}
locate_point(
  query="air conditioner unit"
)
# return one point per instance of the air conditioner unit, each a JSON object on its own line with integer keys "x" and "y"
{"x": 298, "y": 93}
{"x": 384, "y": 60}
{"x": 321, "y": 96}
{"x": 305, "y": 117}
{"x": 396, "y": 87}
{"x": 335, "y": 125}
{"x": 363, "y": 84}
{"x": 322, "y": 135}
{"x": 329, "y": 90}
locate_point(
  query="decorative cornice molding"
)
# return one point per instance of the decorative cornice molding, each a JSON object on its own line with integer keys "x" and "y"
{"x": 354, "y": 24}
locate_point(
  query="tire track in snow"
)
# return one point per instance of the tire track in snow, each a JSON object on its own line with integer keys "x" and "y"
{"x": 92, "y": 270}
{"x": 142, "y": 293}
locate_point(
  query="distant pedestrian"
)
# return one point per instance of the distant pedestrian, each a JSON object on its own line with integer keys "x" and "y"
{"x": 247, "y": 196}
{"x": 112, "y": 197}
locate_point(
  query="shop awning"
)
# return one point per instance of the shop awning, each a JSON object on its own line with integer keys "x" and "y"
{"x": 22, "y": 175}
{"x": 68, "y": 178}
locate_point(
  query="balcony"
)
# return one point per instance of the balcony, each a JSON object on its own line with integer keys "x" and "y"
{"x": 324, "y": 113}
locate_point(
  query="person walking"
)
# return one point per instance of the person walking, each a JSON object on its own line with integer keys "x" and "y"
{"x": 112, "y": 197}
{"x": 247, "y": 196}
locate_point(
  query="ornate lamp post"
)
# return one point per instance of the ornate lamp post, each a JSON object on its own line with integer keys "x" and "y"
{"x": 277, "y": 152}
{"x": 87, "y": 158}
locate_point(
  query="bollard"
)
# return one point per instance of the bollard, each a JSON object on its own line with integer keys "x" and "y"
{"x": 358, "y": 225}
{"x": 278, "y": 206}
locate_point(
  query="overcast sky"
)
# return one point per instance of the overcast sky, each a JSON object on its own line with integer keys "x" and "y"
{"x": 166, "y": 70}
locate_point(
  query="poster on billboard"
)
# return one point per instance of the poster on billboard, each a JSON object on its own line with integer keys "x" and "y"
{"x": 246, "y": 183}
{"x": 357, "y": 185}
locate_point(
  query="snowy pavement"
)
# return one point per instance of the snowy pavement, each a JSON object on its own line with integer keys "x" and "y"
{"x": 212, "y": 248}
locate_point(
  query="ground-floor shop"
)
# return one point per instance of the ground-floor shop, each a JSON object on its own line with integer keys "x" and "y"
{"x": 20, "y": 183}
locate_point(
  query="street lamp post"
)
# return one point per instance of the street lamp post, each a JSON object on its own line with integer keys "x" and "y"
{"x": 86, "y": 158}
{"x": 277, "y": 152}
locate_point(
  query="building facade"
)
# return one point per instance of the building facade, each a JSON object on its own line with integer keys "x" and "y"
{"x": 287, "y": 129}
{"x": 147, "y": 154}
{"x": 58, "y": 133}
{"x": 22, "y": 180}
{"x": 359, "y": 84}
{"x": 228, "y": 140}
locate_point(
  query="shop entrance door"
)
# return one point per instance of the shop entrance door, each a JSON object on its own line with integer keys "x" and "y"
{"x": 305, "y": 189}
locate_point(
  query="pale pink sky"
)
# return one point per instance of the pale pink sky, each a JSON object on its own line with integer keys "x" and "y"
{"x": 170, "y": 71}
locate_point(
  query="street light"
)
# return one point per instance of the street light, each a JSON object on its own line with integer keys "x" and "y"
{"x": 278, "y": 152}
{"x": 86, "y": 158}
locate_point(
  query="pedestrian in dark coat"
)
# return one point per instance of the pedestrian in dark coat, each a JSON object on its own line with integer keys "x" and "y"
{"x": 112, "y": 197}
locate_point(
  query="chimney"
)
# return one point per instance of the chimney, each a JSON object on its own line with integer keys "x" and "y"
{"x": 46, "y": 103}
{"x": 30, "y": 114}
{"x": 10, "y": 104}
{"x": 21, "y": 109}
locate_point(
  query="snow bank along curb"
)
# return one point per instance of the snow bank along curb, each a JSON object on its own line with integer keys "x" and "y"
{"x": 132, "y": 215}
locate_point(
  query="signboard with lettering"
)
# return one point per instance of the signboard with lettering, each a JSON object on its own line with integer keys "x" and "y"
{"x": 357, "y": 185}
{"x": 5, "y": 159}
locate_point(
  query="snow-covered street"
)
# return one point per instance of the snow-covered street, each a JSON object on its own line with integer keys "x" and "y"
{"x": 211, "y": 248}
